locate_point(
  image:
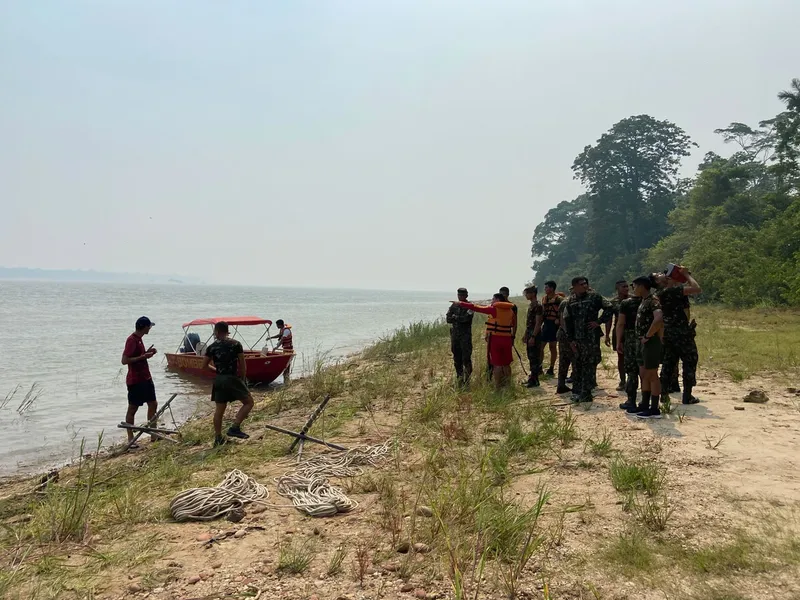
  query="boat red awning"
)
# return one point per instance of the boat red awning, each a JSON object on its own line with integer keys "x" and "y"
{"x": 230, "y": 321}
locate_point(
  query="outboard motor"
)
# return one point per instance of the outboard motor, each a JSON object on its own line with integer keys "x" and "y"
{"x": 190, "y": 342}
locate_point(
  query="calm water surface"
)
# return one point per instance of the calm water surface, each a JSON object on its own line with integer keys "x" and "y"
{"x": 66, "y": 340}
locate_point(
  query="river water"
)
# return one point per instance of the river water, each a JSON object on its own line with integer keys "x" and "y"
{"x": 64, "y": 342}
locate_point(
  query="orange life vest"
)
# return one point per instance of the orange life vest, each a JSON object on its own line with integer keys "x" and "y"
{"x": 503, "y": 324}
{"x": 286, "y": 342}
{"x": 550, "y": 307}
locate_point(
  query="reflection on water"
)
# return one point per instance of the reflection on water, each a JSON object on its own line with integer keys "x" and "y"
{"x": 65, "y": 341}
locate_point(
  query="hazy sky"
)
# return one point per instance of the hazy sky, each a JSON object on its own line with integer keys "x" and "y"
{"x": 362, "y": 143}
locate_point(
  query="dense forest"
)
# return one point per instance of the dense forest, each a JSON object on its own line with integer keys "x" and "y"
{"x": 735, "y": 224}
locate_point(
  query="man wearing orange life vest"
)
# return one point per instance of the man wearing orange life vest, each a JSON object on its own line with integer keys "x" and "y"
{"x": 500, "y": 330}
{"x": 285, "y": 343}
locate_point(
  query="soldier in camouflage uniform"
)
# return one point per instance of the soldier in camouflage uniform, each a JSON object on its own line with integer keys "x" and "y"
{"x": 674, "y": 384}
{"x": 460, "y": 320}
{"x": 597, "y": 353}
{"x": 532, "y": 336}
{"x": 564, "y": 350}
{"x": 649, "y": 333}
{"x": 583, "y": 316}
{"x": 626, "y": 347}
{"x": 679, "y": 342}
{"x": 621, "y": 295}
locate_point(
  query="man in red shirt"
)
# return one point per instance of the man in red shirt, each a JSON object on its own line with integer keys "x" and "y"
{"x": 140, "y": 383}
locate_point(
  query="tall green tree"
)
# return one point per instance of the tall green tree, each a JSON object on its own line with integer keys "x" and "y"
{"x": 736, "y": 223}
{"x": 738, "y": 226}
{"x": 631, "y": 174}
{"x": 788, "y": 134}
{"x": 558, "y": 241}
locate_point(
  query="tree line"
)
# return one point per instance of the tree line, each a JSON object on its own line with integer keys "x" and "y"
{"x": 735, "y": 224}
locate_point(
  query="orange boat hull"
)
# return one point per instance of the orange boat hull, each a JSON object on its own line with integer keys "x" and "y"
{"x": 260, "y": 368}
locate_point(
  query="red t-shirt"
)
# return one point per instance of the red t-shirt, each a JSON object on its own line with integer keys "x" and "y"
{"x": 140, "y": 370}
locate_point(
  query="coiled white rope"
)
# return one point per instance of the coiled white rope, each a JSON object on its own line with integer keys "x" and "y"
{"x": 207, "y": 503}
{"x": 307, "y": 484}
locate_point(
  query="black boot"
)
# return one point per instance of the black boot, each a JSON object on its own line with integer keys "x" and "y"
{"x": 533, "y": 381}
{"x": 621, "y": 385}
{"x": 643, "y": 406}
{"x": 687, "y": 395}
{"x": 630, "y": 403}
{"x": 655, "y": 411}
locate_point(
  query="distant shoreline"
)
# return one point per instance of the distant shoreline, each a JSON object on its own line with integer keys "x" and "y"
{"x": 90, "y": 276}
{"x": 142, "y": 279}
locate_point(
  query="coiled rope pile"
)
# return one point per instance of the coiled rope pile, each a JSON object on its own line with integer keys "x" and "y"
{"x": 307, "y": 484}
{"x": 207, "y": 503}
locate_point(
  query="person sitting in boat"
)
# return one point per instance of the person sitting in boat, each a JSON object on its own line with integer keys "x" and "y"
{"x": 190, "y": 343}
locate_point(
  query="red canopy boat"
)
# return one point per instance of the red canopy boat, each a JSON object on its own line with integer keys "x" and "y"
{"x": 263, "y": 366}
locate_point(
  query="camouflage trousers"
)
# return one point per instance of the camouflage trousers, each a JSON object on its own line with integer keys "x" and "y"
{"x": 534, "y": 352}
{"x": 681, "y": 346}
{"x": 597, "y": 358}
{"x": 461, "y": 347}
{"x": 630, "y": 363}
{"x": 564, "y": 358}
{"x": 584, "y": 368}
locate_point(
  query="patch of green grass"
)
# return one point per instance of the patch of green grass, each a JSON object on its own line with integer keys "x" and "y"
{"x": 335, "y": 563}
{"x": 499, "y": 467}
{"x": 505, "y": 524}
{"x": 128, "y": 505}
{"x": 716, "y": 592}
{"x": 366, "y": 483}
{"x": 385, "y": 383}
{"x": 632, "y": 476}
{"x": 436, "y": 401}
{"x": 478, "y": 525}
{"x": 742, "y": 343}
{"x": 325, "y": 378}
{"x": 603, "y": 446}
{"x": 631, "y": 554}
{"x": 333, "y": 418}
{"x": 653, "y": 512}
{"x": 410, "y": 338}
{"x": 743, "y": 553}
{"x": 518, "y": 440}
{"x": 484, "y": 395}
{"x": 566, "y": 431}
{"x": 65, "y": 513}
{"x": 295, "y": 556}
{"x": 392, "y": 501}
